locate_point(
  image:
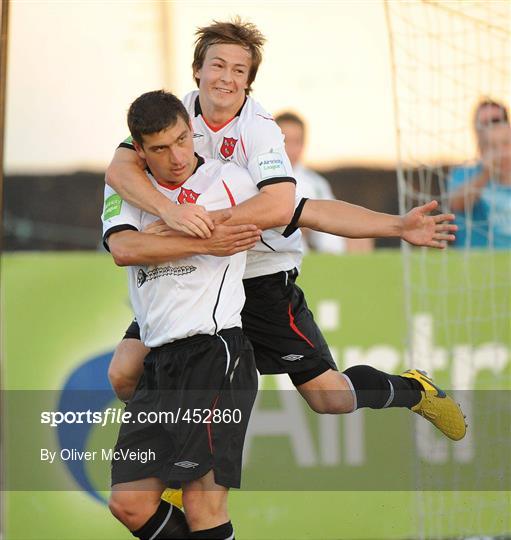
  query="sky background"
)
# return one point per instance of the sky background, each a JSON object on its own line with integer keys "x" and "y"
{"x": 75, "y": 67}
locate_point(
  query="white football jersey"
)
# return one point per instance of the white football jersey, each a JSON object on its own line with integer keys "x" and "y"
{"x": 197, "y": 295}
{"x": 255, "y": 142}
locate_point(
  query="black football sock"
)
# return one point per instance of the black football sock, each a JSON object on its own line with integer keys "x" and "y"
{"x": 222, "y": 532}
{"x": 168, "y": 522}
{"x": 378, "y": 390}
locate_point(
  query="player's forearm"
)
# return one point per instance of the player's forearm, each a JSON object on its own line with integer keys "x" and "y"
{"x": 349, "y": 220}
{"x": 263, "y": 210}
{"x": 128, "y": 179}
{"x": 468, "y": 194}
{"x": 131, "y": 248}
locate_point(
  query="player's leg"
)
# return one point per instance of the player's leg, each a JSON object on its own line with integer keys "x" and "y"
{"x": 286, "y": 339}
{"x": 326, "y": 393}
{"x": 205, "y": 504}
{"x": 138, "y": 506}
{"x": 127, "y": 363}
{"x": 364, "y": 386}
{"x": 357, "y": 387}
{"x": 137, "y": 503}
{"x": 126, "y": 367}
{"x": 142, "y": 451}
{"x": 124, "y": 372}
{"x": 216, "y": 375}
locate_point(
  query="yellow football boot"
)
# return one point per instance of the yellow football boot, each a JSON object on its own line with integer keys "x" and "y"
{"x": 173, "y": 496}
{"x": 437, "y": 407}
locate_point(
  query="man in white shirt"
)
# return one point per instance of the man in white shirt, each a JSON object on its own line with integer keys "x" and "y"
{"x": 187, "y": 304}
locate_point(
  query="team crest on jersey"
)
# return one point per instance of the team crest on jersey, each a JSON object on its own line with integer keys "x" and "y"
{"x": 187, "y": 196}
{"x": 227, "y": 148}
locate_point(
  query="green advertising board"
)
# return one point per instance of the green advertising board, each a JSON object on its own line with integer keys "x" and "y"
{"x": 306, "y": 476}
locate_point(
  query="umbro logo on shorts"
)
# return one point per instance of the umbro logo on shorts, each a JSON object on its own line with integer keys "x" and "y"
{"x": 186, "y": 464}
{"x": 292, "y": 357}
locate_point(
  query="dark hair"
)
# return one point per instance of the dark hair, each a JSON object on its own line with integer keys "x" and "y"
{"x": 487, "y": 102}
{"x": 290, "y": 117}
{"x": 235, "y": 32}
{"x": 153, "y": 112}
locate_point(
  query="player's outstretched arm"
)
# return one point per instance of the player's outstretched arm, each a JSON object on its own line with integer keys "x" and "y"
{"x": 349, "y": 220}
{"x": 352, "y": 221}
{"x": 126, "y": 176}
{"x": 129, "y": 248}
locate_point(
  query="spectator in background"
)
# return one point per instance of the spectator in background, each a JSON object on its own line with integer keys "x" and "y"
{"x": 313, "y": 186}
{"x": 480, "y": 194}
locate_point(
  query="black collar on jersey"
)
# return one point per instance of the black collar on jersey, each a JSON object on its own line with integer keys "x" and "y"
{"x": 200, "y": 161}
{"x": 198, "y": 110}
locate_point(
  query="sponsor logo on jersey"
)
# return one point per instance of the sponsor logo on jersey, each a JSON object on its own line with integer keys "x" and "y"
{"x": 292, "y": 357}
{"x": 163, "y": 271}
{"x": 186, "y": 464}
{"x": 197, "y": 135}
{"x": 271, "y": 165}
{"x": 113, "y": 205}
{"x": 187, "y": 196}
{"x": 227, "y": 148}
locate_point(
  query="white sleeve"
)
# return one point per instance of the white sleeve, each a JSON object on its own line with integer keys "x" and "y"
{"x": 118, "y": 215}
{"x": 267, "y": 161}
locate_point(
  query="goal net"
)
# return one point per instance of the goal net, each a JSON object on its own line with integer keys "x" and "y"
{"x": 446, "y": 57}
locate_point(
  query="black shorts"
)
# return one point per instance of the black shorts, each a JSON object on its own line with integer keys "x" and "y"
{"x": 203, "y": 389}
{"x": 282, "y": 330}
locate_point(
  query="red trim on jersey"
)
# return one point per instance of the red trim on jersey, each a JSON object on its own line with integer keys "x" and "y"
{"x": 229, "y": 194}
{"x": 208, "y": 424}
{"x": 200, "y": 162}
{"x": 171, "y": 188}
{"x": 217, "y": 128}
{"x": 266, "y": 117}
{"x": 243, "y": 147}
{"x": 295, "y": 329}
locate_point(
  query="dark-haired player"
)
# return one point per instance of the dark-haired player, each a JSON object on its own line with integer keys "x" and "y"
{"x": 188, "y": 304}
